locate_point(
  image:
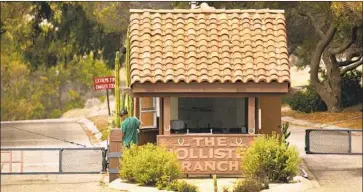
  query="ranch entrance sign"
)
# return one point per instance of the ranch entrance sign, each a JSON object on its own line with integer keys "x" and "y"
{"x": 208, "y": 154}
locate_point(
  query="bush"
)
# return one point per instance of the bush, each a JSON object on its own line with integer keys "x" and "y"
{"x": 149, "y": 165}
{"x": 225, "y": 189}
{"x": 352, "y": 91}
{"x": 55, "y": 113}
{"x": 249, "y": 185}
{"x": 181, "y": 186}
{"x": 306, "y": 101}
{"x": 102, "y": 98}
{"x": 269, "y": 158}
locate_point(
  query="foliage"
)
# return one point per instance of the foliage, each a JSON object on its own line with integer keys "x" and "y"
{"x": 48, "y": 33}
{"x": 269, "y": 158}
{"x": 181, "y": 186}
{"x": 285, "y": 133}
{"x": 102, "y": 98}
{"x": 149, "y": 165}
{"x": 249, "y": 185}
{"x": 306, "y": 101}
{"x": 225, "y": 189}
{"x": 215, "y": 185}
{"x": 352, "y": 91}
{"x": 39, "y": 94}
{"x": 75, "y": 101}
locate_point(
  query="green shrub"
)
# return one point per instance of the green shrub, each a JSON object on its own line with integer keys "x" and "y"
{"x": 75, "y": 101}
{"x": 55, "y": 113}
{"x": 249, "y": 185}
{"x": 181, "y": 186}
{"x": 225, "y": 189}
{"x": 285, "y": 99}
{"x": 306, "y": 101}
{"x": 352, "y": 91}
{"x": 149, "y": 165}
{"x": 269, "y": 158}
{"x": 102, "y": 98}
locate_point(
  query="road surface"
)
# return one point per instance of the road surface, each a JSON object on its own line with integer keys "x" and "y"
{"x": 43, "y": 135}
{"x": 334, "y": 173}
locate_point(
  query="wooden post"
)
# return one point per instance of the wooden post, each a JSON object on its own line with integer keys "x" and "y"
{"x": 137, "y": 107}
{"x": 108, "y": 103}
{"x": 251, "y": 115}
{"x": 114, "y": 154}
{"x": 166, "y": 114}
{"x": 161, "y": 116}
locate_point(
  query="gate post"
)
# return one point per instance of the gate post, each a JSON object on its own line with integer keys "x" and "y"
{"x": 114, "y": 153}
{"x": 307, "y": 141}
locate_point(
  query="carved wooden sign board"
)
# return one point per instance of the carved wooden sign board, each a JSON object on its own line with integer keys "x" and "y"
{"x": 208, "y": 154}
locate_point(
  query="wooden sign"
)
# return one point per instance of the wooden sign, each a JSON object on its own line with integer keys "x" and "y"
{"x": 104, "y": 83}
{"x": 208, "y": 154}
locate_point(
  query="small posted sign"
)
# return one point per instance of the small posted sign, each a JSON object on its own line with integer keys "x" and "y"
{"x": 104, "y": 83}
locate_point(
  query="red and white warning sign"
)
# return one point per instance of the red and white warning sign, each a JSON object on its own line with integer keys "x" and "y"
{"x": 103, "y": 83}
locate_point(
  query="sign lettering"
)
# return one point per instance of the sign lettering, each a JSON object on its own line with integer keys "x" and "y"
{"x": 207, "y": 154}
{"x": 103, "y": 83}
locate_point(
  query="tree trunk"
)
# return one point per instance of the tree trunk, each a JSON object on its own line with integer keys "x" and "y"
{"x": 329, "y": 89}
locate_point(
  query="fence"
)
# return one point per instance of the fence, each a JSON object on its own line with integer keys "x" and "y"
{"x": 333, "y": 141}
{"x": 53, "y": 161}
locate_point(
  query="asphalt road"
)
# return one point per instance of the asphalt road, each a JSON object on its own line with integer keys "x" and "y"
{"x": 334, "y": 173}
{"x": 43, "y": 135}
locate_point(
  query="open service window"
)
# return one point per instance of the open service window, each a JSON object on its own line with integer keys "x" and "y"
{"x": 209, "y": 115}
{"x": 149, "y": 111}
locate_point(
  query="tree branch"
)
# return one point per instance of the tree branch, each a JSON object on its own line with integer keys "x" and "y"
{"x": 347, "y": 44}
{"x": 319, "y": 49}
{"x": 351, "y": 54}
{"x": 348, "y": 62}
{"x": 315, "y": 24}
{"x": 352, "y": 67}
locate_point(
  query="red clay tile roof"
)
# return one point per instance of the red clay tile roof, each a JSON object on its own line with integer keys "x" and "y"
{"x": 213, "y": 45}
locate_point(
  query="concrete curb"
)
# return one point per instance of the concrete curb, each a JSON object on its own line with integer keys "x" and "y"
{"x": 66, "y": 120}
{"x": 89, "y": 125}
{"x": 311, "y": 177}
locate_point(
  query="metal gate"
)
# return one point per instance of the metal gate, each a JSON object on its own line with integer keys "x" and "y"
{"x": 53, "y": 161}
{"x": 333, "y": 141}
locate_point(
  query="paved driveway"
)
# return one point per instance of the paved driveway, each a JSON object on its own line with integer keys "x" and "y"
{"x": 43, "y": 135}
{"x": 338, "y": 173}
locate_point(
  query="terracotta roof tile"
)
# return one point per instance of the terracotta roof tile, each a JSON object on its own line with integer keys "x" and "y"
{"x": 208, "y": 46}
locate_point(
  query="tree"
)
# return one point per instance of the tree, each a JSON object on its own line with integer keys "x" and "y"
{"x": 338, "y": 33}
